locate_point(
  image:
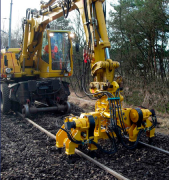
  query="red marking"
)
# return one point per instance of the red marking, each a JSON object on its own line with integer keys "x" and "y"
{"x": 28, "y": 101}
{"x": 84, "y": 55}
{"x": 58, "y": 99}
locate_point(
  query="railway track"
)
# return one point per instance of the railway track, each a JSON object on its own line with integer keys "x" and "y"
{"x": 53, "y": 136}
{"x": 112, "y": 172}
{"x": 152, "y": 147}
{"x": 141, "y": 163}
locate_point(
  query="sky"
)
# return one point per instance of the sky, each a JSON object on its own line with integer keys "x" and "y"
{"x": 19, "y": 11}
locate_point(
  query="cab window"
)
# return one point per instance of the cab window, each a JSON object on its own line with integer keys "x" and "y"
{"x": 44, "y": 53}
{"x": 60, "y": 50}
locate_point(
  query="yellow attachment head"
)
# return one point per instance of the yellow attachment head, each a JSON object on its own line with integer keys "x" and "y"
{"x": 75, "y": 123}
{"x": 82, "y": 123}
{"x": 134, "y": 116}
{"x": 139, "y": 114}
{"x": 146, "y": 113}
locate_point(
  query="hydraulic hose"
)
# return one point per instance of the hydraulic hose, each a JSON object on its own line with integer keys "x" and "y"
{"x": 135, "y": 144}
{"x": 106, "y": 151}
{"x": 71, "y": 138}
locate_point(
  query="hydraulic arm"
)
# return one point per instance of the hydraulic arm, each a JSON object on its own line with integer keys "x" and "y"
{"x": 110, "y": 120}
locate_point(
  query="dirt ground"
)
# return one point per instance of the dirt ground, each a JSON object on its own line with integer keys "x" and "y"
{"x": 89, "y": 105}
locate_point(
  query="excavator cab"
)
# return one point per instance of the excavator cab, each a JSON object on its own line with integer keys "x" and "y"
{"x": 42, "y": 80}
{"x": 56, "y": 54}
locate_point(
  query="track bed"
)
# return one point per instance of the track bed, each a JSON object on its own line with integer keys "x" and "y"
{"x": 27, "y": 153}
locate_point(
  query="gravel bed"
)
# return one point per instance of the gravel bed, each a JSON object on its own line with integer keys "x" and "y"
{"x": 27, "y": 153}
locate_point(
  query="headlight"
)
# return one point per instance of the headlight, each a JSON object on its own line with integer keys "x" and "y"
{"x": 8, "y": 70}
{"x": 68, "y": 68}
{"x": 51, "y": 34}
{"x": 72, "y": 35}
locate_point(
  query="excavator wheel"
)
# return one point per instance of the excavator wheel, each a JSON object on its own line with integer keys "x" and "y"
{"x": 5, "y": 101}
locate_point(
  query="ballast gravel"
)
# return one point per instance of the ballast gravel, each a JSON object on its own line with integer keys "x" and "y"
{"x": 27, "y": 153}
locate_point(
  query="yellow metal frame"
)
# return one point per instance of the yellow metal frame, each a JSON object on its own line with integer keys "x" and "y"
{"x": 103, "y": 71}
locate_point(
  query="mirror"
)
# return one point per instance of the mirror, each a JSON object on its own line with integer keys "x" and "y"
{"x": 5, "y": 60}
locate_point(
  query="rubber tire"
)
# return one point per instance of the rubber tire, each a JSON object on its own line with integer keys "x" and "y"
{"x": 5, "y": 101}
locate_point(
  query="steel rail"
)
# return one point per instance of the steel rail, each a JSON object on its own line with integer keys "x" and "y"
{"x": 112, "y": 172}
{"x": 150, "y": 146}
{"x": 154, "y": 147}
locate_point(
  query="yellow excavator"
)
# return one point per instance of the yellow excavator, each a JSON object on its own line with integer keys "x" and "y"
{"x": 31, "y": 74}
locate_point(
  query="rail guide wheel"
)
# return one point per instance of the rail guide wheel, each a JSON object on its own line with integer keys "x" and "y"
{"x": 26, "y": 110}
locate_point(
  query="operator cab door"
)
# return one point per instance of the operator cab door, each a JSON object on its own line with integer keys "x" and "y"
{"x": 56, "y": 54}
